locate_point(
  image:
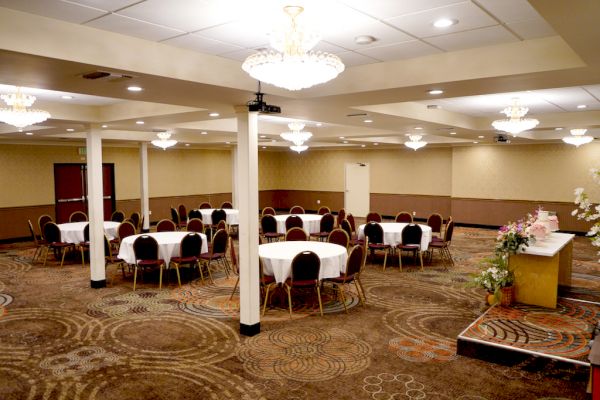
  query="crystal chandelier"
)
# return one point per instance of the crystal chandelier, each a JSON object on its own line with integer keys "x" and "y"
{"x": 293, "y": 65}
{"x": 164, "y": 140}
{"x": 18, "y": 114}
{"x": 298, "y": 149}
{"x": 415, "y": 142}
{"x": 515, "y": 123}
{"x": 578, "y": 137}
{"x": 296, "y": 135}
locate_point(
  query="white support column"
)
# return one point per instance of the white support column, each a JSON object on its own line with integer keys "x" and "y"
{"x": 247, "y": 182}
{"x": 144, "y": 199}
{"x": 95, "y": 206}
{"x": 234, "y": 177}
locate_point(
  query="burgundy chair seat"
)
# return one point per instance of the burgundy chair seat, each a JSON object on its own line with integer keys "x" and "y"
{"x": 267, "y": 279}
{"x": 437, "y": 244}
{"x": 150, "y": 262}
{"x": 306, "y": 283}
{"x": 341, "y": 279}
{"x": 272, "y": 234}
{"x": 184, "y": 260}
{"x": 379, "y": 246}
{"x": 437, "y": 239}
{"x": 408, "y": 246}
{"x": 60, "y": 244}
{"x": 207, "y": 256}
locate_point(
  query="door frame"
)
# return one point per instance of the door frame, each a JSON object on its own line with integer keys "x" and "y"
{"x": 368, "y": 186}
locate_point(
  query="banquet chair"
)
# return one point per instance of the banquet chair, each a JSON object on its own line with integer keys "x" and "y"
{"x": 293, "y": 221}
{"x": 374, "y": 217}
{"x": 53, "y": 239}
{"x": 176, "y": 219}
{"x": 85, "y": 245}
{"x": 218, "y": 251}
{"x": 268, "y": 225}
{"x": 325, "y": 227}
{"x": 190, "y": 248}
{"x": 305, "y": 274}
{"x": 136, "y": 218}
{"x": 117, "y": 216}
{"x": 296, "y": 234}
{"x": 145, "y": 248}
{"x": 165, "y": 225}
{"x": 324, "y": 210}
{"x": 195, "y": 225}
{"x": 266, "y": 283}
{"x": 205, "y": 205}
{"x": 39, "y": 243}
{"x": 443, "y": 246}
{"x": 352, "y": 274}
{"x": 348, "y": 229}
{"x": 411, "y": 241}
{"x": 435, "y": 221}
{"x": 227, "y": 205}
{"x": 374, "y": 237}
{"x": 405, "y": 217}
{"x": 216, "y": 217}
{"x": 268, "y": 211}
{"x": 352, "y": 222}
{"x": 195, "y": 213}
{"x": 235, "y": 266}
{"x": 182, "y": 211}
{"x": 42, "y": 220}
{"x": 78, "y": 216}
{"x": 110, "y": 258}
{"x": 339, "y": 236}
{"x": 340, "y": 217}
{"x": 125, "y": 229}
{"x": 296, "y": 210}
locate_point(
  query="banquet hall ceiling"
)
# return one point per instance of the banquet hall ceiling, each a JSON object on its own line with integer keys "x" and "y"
{"x": 187, "y": 54}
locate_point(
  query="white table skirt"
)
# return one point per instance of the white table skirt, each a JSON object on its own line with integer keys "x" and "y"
{"x": 72, "y": 232}
{"x": 392, "y": 233}
{"x": 311, "y": 223}
{"x": 232, "y": 216}
{"x": 168, "y": 245}
{"x": 277, "y": 258}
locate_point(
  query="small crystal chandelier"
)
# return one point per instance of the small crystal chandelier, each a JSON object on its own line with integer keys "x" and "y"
{"x": 293, "y": 65}
{"x": 18, "y": 115}
{"x": 164, "y": 140}
{"x": 415, "y": 142}
{"x": 298, "y": 149}
{"x": 578, "y": 137}
{"x": 296, "y": 135}
{"x": 515, "y": 123}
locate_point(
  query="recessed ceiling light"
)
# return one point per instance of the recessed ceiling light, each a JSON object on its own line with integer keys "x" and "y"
{"x": 227, "y": 142}
{"x": 453, "y": 133}
{"x": 445, "y": 22}
{"x": 213, "y": 114}
{"x": 264, "y": 147}
{"x": 29, "y": 133}
{"x": 436, "y": 91}
{"x": 263, "y": 136}
{"x": 105, "y": 126}
{"x": 273, "y": 140}
{"x": 134, "y": 88}
{"x": 345, "y": 142}
{"x": 204, "y": 133}
{"x": 342, "y": 137}
{"x": 363, "y": 145}
{"x": 480, "y": 137}
{"x": 187, "y": 144}
{"x": 475, "y": 142}
{"x": 368, "y": 121}
{"x": 139, "y": 122}
{"x": 418, "y": 127}
{"x": 66, "y": 97}
{"x": 558, "y": 129}
{"x": 375, "y": 144}
{"x": 319, "y": 124}
{"x": 582, "y": 106}
{"x": 70, "y": 130}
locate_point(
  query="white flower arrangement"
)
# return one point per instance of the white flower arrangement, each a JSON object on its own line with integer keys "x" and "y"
{"x": 588, "y": 211}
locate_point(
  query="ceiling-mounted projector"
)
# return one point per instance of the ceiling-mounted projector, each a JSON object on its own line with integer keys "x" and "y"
{"x": 258, "y": 104}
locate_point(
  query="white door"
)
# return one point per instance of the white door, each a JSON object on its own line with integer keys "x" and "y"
{"x": 357, "y": 190}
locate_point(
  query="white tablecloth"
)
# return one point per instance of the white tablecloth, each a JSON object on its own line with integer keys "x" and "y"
{"x": 311, "y": 223}
{"x": 72, "y": 232}
{"x": 168, "y": 245}
{"x": 233, "y": 216}
{"x": 392, "y": 233}
{"x": 277, "y": 258}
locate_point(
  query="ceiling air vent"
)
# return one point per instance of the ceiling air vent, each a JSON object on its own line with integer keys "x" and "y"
{"x": 111, "y": 76}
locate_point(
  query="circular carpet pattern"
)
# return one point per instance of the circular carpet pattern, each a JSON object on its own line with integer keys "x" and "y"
{"x": 304, "y": 354}
{"x": 147, "y": 301}
{"x": 79, "y": 361}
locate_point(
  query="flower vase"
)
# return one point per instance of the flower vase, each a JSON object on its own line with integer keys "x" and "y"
{"x": 490, "y": 298}
{"x": 508, "y": 295}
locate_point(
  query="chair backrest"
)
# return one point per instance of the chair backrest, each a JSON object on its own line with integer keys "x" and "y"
{"x": 268, "y": 224}
{"x": 339, "y": 236}
{"x": 296, "y": 210}
{"x": 190, "y": 245}
{"x": 218, "y": 215}
{"x": 86, "y": 233}
{"x": 205, "y": 205}
{"x": 341, "y": 216}
{"x": 374, "y": 216}
{"x": 374, "y": 232}
{"x": 117, "y": 216}
{"x": 42, "y": 221}
{"x": 195, "y": 225}
{"x": 145, "y": 247}
{"x": 268, "y": 211}
{"x": 234, "y": 259}
{"x": 107, "y": 249}
{"x": 195, "y": 213}
{"x": 125, "y": 229}
{"x": 33, "y": 235}
{"x": 449, "y": 231}
{"x": 435, "y": 221}
{"x": 220, "y": 241}
{"x": 52, "y": 232}
{"x": 227, "y": 205}
{"x": 324, "y": 210}
{"x": 352, "y": 222}
{"x": 411, "y": 234}
{"x": 355, "y": 260}
{"x": 296, "y": 234}
{"x": 305, "y": 267}
{"x": 182, "y": 213}
{"x": 175, "y": 216}
{"x": 327, "y": 222}
{"x": 137, "y": 219}
{"x": 293, "y": 221}
{"x": 222, "y": 225}
{"x": 78, "y": 216}
{"x": 346, "y": 227}
{"x": 166, "y": 225}
{"x": 404, "y": 216}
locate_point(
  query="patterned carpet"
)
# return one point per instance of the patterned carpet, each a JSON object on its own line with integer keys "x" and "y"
{"x": 59, "y": 339}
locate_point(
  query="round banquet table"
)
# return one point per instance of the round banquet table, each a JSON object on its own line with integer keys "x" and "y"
{"x": 311, "y": 223}
{"x": 392, "y": 233}
{"x": 168, "y": 245}
{"x": 232, "y": 215}
{"x": 277, "y": 258}
{"x": 72, "y": 232}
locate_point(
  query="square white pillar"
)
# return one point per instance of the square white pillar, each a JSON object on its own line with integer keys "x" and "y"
{"x": 95, "y": 207}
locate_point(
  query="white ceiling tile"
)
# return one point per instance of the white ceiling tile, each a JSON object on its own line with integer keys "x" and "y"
{"x": 201, "y": 44}
{"x": 239, "y": 55}
{"x": 107, "y": 5}
{"x": 420, "y": 24}
{"x": 509, "y": 11}
{"x": 351, "y": 58}
{"x": 239, "y": 33}
{"x": 54, "y": 9}
{"x": 594, "y": 90}
{"x": 385, "y": 9}
{"x": 398, "y": 51}
{"x": 475, "y": 38}
{"x": 328, "y": 47}
{"x": 532, "y": 29}
{"x": 132, "y": 27}
{"x": 569, "y": 98}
